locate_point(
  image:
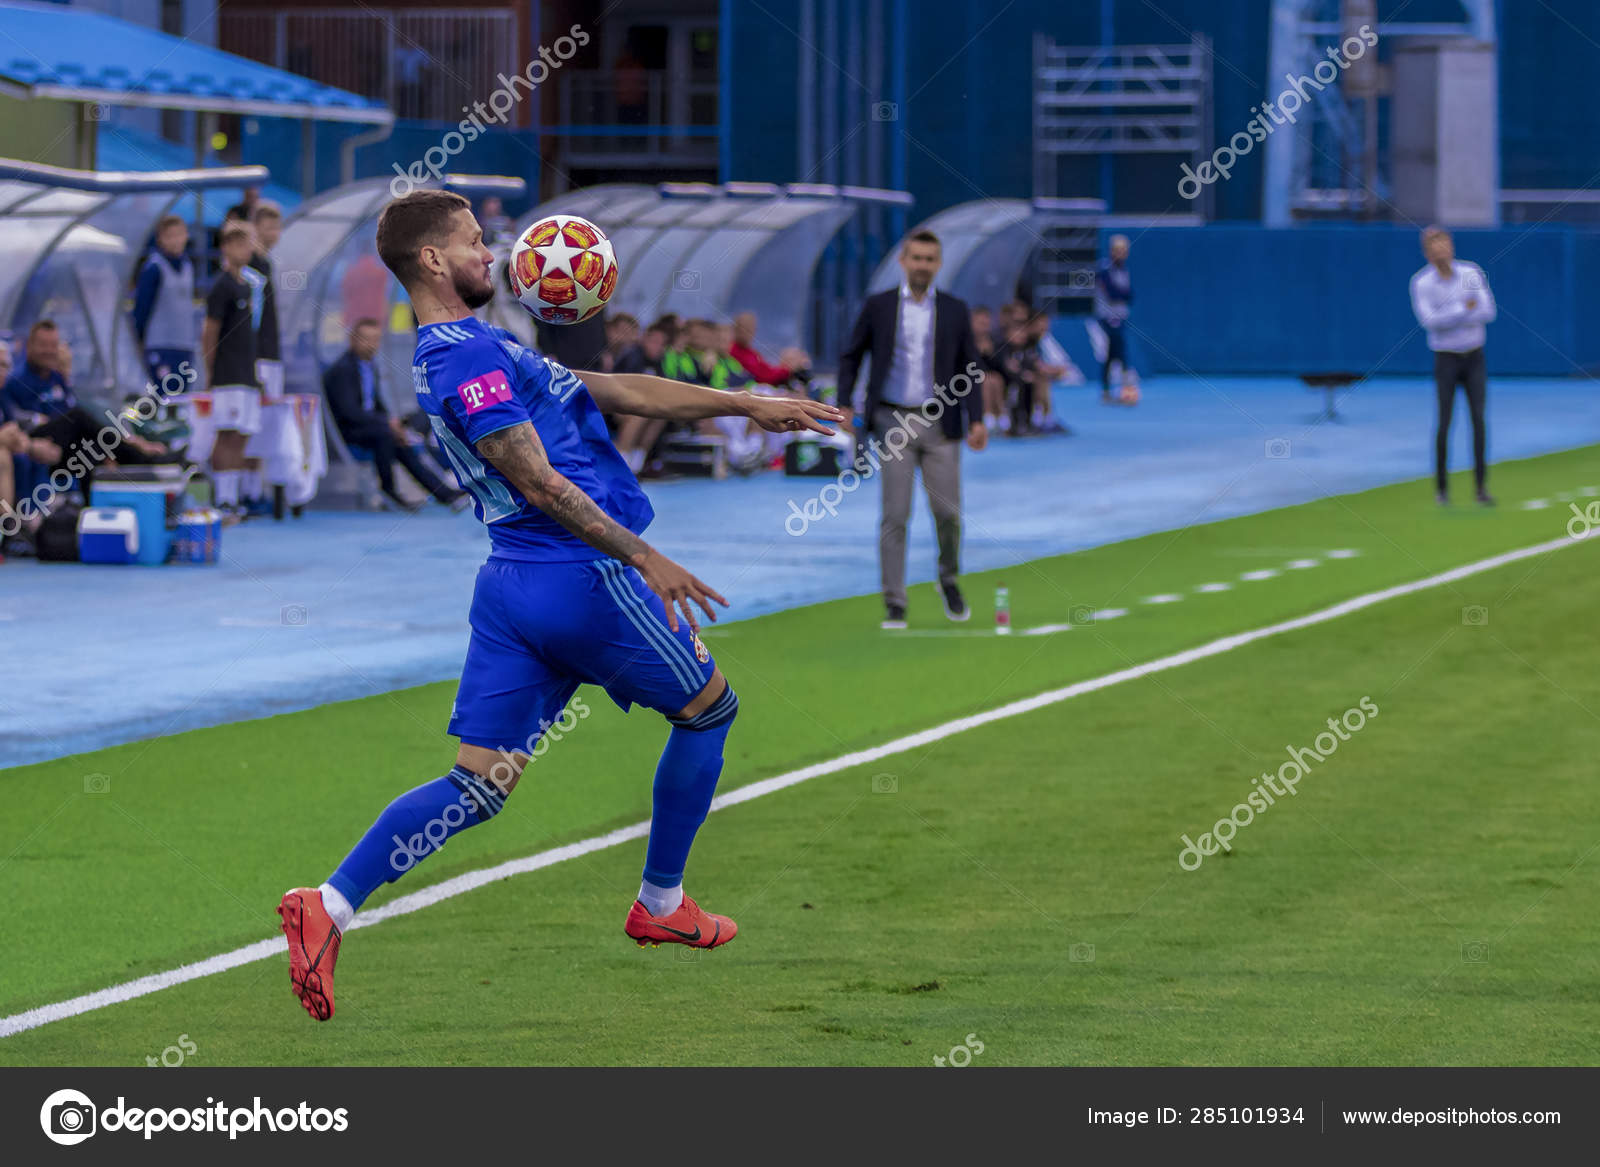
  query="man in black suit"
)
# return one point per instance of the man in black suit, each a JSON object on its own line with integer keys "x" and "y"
{"x": 351, "y": 388}
{"x": 923, "y": 397}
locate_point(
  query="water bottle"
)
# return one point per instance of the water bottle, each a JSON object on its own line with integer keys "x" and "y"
{"x": 1002, "y": 611}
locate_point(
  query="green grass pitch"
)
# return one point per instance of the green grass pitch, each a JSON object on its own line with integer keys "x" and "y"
{"x": 1428, "y": 897}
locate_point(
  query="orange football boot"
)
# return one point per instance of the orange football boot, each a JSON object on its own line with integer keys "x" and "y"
{"x": 313, "y": 949}
{"x": 690, "y": 925}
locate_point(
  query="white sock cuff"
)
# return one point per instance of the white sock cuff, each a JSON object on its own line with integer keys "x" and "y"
{"x": 337, "y": 906}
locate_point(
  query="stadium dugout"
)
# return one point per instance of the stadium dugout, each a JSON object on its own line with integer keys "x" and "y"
{"x": 1042, "y": 251}
{"x": 330, "y": 248}
{"x": 712, "y": 251}
{"x": 70, "y": 241}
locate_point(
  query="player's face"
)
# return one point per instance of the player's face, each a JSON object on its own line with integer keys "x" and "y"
{"x": 920, "y": 262}
{"x": 1119, "y": 250}
{"x": 468, "y": 262}
{"x": 174, "y": 239}
{"x": 1438, "y": 247}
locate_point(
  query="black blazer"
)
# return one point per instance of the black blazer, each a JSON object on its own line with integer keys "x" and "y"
{"x": 341, "y": 387}
{"x": 954, "y": 353}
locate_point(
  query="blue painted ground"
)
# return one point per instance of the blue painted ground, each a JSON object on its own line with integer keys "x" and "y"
{"x": 339, "y": 606}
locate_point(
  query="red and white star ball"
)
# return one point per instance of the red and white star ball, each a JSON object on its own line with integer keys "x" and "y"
{"x": 563, "y": 269}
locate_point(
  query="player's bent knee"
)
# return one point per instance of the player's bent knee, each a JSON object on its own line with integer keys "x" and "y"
{"x": 501, "y": 768}
{"x": 717, "y": 713}
{"x": 703, "y": 699}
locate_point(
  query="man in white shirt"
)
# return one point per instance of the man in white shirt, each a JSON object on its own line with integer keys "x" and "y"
{"x": 1452, "y": 301}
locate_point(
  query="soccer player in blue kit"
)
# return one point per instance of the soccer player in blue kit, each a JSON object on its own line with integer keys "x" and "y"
{"x": 571, "y": 594}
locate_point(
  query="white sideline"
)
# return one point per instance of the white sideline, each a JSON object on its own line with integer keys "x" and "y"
{"x": 460, "y": 884}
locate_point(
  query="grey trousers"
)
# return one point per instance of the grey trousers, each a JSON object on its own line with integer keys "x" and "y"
{"x": 939, "y": 458}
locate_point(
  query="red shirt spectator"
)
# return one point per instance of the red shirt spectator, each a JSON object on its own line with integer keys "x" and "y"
{"x": 742, "y": 350}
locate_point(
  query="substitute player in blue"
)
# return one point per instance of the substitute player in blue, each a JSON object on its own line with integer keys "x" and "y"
{"x": 570, "y": 594}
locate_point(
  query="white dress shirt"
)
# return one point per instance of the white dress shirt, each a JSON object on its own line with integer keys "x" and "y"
{"x": 910, "y": 380}
{"x": 1440, "y": 305}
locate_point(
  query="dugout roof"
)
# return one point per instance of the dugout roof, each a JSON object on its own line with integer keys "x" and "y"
{"x": 714, "y": 251}
{"x": 69, "y": 241}
{"x": 75, "y": 54}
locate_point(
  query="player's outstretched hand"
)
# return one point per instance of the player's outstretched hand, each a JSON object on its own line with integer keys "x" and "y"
{"x": 677, "y": 588}
{"x": 781, "y": 415}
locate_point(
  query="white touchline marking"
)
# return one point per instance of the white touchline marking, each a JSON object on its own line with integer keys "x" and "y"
{"x": 1264, "y": 573}
{"x": 1163, "y": 598}
{"x": 1109, "y": 613}
{"x": 1047, "y": 629}
{"x": 1302, "y": 564}
{"x": 1214, "y": 587}
{"x": 471, "y": 880}
{"x": 1343, "y": 553}
{"x": 1588, "y": 491}
{"x": 1536, "y": 504}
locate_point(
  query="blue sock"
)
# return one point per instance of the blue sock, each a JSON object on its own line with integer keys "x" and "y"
{"x": 686, "y": 778}
{"x": 412, "y": 827}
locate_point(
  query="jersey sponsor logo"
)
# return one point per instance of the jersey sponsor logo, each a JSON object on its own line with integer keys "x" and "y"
{"x": 482, "y": 392}
{"x": 701, "y": 652}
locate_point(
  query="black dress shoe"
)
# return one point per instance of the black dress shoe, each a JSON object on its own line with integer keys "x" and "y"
{"x": 955, "y": 604}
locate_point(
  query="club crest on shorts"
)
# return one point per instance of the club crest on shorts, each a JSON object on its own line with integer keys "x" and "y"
{"x": 701, "y": 652}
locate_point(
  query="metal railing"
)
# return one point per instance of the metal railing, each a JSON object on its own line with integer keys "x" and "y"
{"x": 424, "y": 63}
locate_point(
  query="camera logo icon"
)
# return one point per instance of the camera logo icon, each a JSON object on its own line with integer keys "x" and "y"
{"x": 1475, "y": 615}
{"x": 686, "y": 280}
{"x": 1277, "y": 447}
{"x": 1082, "y": 278}
{"x": 1081, "y": 614}
{"x": 96, "y": 783}
{"x": 885, "y": 784}
{"x": 293, "y": 616}
{"x": 294, "y": 281}
{"x": 1475, "y": 951}
{"x": 885, "y": 111}
{"x": 1081, "y": 954}
{"x": 68, "y": 1117}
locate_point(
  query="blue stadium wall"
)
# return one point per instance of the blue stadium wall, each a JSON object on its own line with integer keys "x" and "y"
{"x": 1241, "y": 298}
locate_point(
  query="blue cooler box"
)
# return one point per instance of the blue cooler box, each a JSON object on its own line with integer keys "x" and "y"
{"x": 108, "y": 535}
{"x": 148, "y": 500}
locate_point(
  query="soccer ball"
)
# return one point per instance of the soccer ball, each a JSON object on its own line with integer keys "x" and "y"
{"x": 563, "y": 269}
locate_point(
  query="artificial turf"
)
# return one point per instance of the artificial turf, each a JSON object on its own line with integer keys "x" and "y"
{"x": 1426, "y": 898}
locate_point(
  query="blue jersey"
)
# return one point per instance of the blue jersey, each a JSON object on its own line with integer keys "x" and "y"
{"x": 472, "y": 380}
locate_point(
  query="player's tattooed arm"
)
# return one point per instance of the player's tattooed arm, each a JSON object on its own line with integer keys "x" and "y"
{"x": 518, "y": 453}
{"x": 642, "y": 395}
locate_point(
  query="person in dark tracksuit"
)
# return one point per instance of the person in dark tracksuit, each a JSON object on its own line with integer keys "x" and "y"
{"x": 1113, "y": 293}
{"x": 1452, "y": 301}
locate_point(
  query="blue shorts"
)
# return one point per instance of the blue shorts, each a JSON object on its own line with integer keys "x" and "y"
{"x": 539, "y": 630}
